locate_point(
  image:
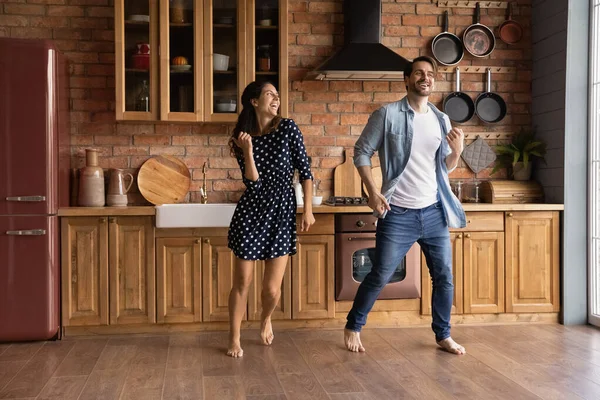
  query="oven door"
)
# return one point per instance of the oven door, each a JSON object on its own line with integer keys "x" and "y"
{"x": 355, "y": 253}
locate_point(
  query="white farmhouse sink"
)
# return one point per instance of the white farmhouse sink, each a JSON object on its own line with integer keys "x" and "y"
{"x": 194, "y": 215}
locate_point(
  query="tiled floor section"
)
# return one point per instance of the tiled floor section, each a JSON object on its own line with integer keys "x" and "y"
{"x": 503, "y": 362}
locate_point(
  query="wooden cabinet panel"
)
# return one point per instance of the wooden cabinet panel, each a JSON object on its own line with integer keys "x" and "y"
{"x": 457, "y": 277}
{"x": 483, "y": 272}
{"x": 218, "y": 263}
{"x": 84, "y": 265}
{"x": 132, "y": 270}
{"x": 532, "y": 261}
{"x": 284, "y": 307}
{"x": 178, "y": 280}
{"x": 313, "y": 277}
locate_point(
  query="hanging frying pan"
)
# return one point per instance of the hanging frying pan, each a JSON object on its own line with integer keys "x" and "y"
{"x": 489, "y": 106}
{"x": 446, "y": 46}
{"x": 458, "y": 105}
{"x": 478, "y": 39}
{"x": 510, "y": 31}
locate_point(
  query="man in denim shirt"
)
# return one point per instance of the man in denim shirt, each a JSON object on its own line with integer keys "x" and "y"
{"x": 417, "y": 147}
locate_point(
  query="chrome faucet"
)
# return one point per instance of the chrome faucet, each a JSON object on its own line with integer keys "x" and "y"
{"x": 203, "y": 190}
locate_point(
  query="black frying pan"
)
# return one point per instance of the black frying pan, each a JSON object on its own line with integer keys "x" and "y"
{"x": 489, "y": 106}
{"x": 446, "y": 46}
{"x": 458, "y": 105}
{"x": 479, "y": 40}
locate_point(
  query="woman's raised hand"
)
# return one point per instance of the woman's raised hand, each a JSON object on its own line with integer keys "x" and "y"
{"x": 244, "y": 142}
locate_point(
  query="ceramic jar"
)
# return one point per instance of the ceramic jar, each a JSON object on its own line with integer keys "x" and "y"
{"x": 91, "y": 181}
{"x": 117, "y": 190}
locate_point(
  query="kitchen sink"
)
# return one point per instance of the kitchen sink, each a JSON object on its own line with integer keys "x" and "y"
{"x": 194, "y": 215}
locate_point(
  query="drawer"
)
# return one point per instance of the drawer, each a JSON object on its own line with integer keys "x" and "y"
{"x": 324, "y": 225}
{"x": 483, "y": 222}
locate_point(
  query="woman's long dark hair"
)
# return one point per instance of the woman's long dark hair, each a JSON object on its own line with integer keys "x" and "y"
{"x": 247, "y": 120}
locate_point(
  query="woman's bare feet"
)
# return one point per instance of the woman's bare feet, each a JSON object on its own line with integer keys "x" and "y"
{"x": 451, "y": 346}
{"x": 266, "y": 332}
{"x": 235, "y": 349}
{"x": 352, "y": 340}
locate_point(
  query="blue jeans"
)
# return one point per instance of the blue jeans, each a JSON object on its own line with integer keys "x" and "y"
{"x": 396, "y": 233}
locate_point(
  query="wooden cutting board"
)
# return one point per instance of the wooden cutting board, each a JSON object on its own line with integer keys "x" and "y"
{"x": 164, "y": 180}
{"x": 346, "y": 180}
{"x": 377, "y": 177}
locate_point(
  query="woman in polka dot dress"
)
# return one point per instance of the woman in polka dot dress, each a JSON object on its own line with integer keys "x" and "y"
{"x": 268, "y": 149}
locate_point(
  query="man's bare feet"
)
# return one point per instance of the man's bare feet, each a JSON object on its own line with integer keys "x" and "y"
{"x": 235, "y": 349}
{"x": 451, "y": 346}
{"x": 352, "y": 340}
{"x": 266, "y": 332}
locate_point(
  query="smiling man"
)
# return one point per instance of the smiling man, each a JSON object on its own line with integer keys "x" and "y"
{"x": 417, "y": 147}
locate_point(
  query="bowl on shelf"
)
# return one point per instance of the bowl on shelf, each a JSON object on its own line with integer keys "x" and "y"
{"x": 225, "y": 105}
{"x": 180, "y": 68}
{"x": 317, "y": 200}
{"x": 220, "y": 62}
{"x": 139, "y": 18}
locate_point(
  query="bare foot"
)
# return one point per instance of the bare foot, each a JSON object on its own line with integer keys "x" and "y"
{"x": 266, "y": 332}
{"x": 235, "y": 350}
{"x": 451, "y": 346}
{"x": 352, "y": 340}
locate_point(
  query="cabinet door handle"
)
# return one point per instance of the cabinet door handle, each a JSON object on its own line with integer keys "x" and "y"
{"x": 111, "y": 219}
{"x": 467, "y": 235}
{"x": 26, "y": 198}
{"x": 510, "y": 214}
{"x": 459, "y": 236}
{"x": 29, "y": 232}
{"x": 102, "y": 219}
{"x": 197, "y": 241}
{"x": 207, "y": 241}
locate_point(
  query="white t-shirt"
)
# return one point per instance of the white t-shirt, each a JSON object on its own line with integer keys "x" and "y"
{"x": 417, "y": 187}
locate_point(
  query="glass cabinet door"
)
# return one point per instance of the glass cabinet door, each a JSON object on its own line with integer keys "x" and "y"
{"x": 268, "y": 38}
{"x": 181, "y": 60}
{"x": 136, "y": 59}
{"x": 225, "y": 67}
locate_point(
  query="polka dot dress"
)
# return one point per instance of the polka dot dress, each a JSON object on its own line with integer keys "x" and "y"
{"x": 264, "y": 223}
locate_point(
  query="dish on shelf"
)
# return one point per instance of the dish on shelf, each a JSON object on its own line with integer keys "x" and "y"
{"x": 220, "y": 62}
{"x": 181, "y": 68}
{"x": 225, "y": 105}
{"x": 139, "y": 18}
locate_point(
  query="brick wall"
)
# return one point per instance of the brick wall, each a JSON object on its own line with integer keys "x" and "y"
{"x": 331, "y": 114}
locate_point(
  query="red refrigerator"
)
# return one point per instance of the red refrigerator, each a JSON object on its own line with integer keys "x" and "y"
{"x": 34, "y": 183}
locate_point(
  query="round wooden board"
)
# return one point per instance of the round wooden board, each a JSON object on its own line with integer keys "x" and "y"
{"x": 164, "y": 180}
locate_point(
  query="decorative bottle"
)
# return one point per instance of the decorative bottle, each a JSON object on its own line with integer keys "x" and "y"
{"x": 91, "y": 181}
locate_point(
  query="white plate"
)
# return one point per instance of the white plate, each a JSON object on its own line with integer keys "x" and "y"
{"x": 181, "y": 68}
{"x": 139, "y": 18}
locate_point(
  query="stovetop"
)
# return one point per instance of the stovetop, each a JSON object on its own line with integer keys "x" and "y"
{"x": 346, "y": 201}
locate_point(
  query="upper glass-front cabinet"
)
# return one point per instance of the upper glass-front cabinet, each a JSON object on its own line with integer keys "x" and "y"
{"x": 190, "y": 60}
{"x": 136, "y": 41}
{"x": 181, "y": 60}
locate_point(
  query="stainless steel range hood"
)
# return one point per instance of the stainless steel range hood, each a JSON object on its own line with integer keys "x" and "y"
{"x": 362, "y": 57}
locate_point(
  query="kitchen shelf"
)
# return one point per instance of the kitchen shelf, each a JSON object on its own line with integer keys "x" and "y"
{"x": 266, "y": 28}
{"x": 184, "y": 25}
{"x": 471, "y": 4}
{"x": 272, "y": 73}
{"x": 223, "y": 26}
{"x": 137, "y": 71}
{"x": 477, "y": 69}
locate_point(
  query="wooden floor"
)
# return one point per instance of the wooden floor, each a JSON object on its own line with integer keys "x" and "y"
{"x": 502, "y": 362}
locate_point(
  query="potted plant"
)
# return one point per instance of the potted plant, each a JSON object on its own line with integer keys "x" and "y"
{"x": 519, "y": 154}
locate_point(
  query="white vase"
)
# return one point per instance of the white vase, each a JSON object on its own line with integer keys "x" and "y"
{"x": 520, "y": 173}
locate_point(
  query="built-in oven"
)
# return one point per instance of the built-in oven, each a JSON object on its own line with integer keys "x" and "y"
{"x": 355, "y": 252}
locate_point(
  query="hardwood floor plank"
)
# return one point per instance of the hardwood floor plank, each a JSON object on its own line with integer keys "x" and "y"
{"x": 35, "y": 374}
{"x": 215, "y": 362}
{"x": 280, "y": 396}
{"x": 104, "y": 385}
{"x": 351, "y": 396}
{"x": 183, "y": 384}
{"x": 375, "y": 380}
{"x": 82, "y": 358}
{"x": 143, "y": 383}
{"x": 185, "y": 352}
{"x": 21, "y": 351}
{"x": 285, "y": 357}
{"x": 531, "y": 379}
{"x": 258, "y": 374}
{"x": 152, "y": 351}
{"x": 223, "y": 388}
{"x": 304, "y": 386}
{"x": 3, "y": 347}
{"x": 8, "y": 370}
{"x": 63, "y": 388}
{"x": 116, "y": 355}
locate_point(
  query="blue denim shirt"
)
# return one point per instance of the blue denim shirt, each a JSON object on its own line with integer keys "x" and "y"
{"x": 389, "y": 131}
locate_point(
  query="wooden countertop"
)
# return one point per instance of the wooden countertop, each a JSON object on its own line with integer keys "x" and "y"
{"x": 322, "y": 209}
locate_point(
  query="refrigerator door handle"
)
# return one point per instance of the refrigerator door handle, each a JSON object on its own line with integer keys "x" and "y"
{"x": 26, "y": 198}
{"x": 29, "y": 232}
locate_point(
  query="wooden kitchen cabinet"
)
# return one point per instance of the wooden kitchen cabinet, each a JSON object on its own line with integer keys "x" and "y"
{"x": 313, "y": 277}
{"x": 532, "y": 261}
{"x": 218, "y": 263}
{"x": 186, "y": 79}
{"x": 84, "y": 270}
{"x": 95, "y": 249}
{"x": 178, "y": 280}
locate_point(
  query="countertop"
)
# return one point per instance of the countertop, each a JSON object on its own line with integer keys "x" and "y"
{"x": 322, "y": 209}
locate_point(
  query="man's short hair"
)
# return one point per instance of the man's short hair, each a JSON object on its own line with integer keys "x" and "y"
{"x": 409, "y": 68}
